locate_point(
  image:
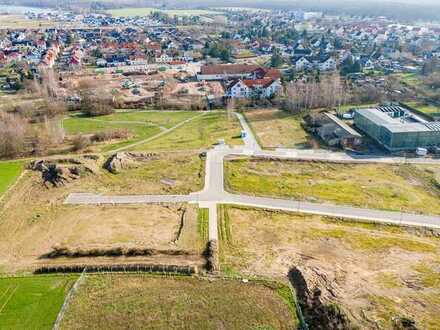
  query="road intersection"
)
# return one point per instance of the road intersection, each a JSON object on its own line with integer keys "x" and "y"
{"x": 214, "y": 194}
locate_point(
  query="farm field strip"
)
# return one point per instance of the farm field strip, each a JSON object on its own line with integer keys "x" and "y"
{"x": 32, "y": 302}
{"x": 9, "y": 173}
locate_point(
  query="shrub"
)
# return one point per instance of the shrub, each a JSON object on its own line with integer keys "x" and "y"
{"x": 80, "y": 142}
{"x": 96, "y": 105}
{"x": 120, "y": 133}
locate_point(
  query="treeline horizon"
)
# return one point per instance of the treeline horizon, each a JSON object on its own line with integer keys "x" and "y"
{"x": 393, "y": 9}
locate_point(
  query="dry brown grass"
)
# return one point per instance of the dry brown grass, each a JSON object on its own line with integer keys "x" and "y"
{"x": 145, "y": 302}
{"x": 33, "y": 219}
{"x": 359, "y": 263}
{"x": 278, "y": 129}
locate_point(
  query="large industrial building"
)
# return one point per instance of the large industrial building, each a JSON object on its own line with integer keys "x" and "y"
{"x": 397, "y": 128}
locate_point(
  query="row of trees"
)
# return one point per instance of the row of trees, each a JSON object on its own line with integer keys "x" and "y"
{"x": 218, "y": 50}
{"x": 329, "y": 92}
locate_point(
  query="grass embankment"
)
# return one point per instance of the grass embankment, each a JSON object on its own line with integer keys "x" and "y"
{"x": 407, "y": 188}
{"x": 361, "y": 263}
{"x": 9, "y": 173}
{"x": 32, "y": 302}
{"x": 112, "y": 302}
{"x": 141, "y": 125}
{"x": 202, "y": 132}
{"x": 277, "y": 129}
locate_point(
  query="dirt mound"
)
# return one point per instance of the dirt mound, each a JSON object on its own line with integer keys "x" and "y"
{"x": 315, "y": 294}
{"x": 126, "y": 160}
{"x": 61, "y": 170}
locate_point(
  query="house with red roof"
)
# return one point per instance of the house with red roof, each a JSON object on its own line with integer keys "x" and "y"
{"x": 254, "y": 88}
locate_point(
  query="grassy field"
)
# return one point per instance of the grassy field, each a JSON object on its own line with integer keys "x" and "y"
{"x": 145, "y": 11}
{"x": 21, "y": 22}
{"x": 142, "y": 125}
{"x": 410, "y": 79}
{"x": 372, "y": 272}
{"x": 425, "y": 108}
{"x": 390, "y": 187}
{"x": 148, "y": 302}
{"x": 32, "y": 302}
{"x": 277, "y": 129}
{"x": 167, "y": 173}
{"x": 202, "y": 132}
{"x": 347, "y": 107}
{"x": 9, "y": 172}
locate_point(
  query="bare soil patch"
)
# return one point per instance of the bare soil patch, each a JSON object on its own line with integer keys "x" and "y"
{"x": 34, "y": 220}
{"x": 377, "y": 275}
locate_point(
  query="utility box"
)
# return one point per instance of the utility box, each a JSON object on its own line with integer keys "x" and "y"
{"x": 422, "y": 152}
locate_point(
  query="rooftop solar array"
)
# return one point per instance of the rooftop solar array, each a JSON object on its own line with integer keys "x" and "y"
{"x": 433, "y": 126}
{"x": 391, "y": 108}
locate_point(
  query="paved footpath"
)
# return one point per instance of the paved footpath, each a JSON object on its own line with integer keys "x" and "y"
{"x": 214, "y": 193}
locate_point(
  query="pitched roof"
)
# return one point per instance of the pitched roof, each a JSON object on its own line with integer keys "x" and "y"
{"x": 228, "y": 69}
{"x": 265, "y": 82}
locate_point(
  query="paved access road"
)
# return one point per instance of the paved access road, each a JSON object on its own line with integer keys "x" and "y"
{"x": 214, "y": 193}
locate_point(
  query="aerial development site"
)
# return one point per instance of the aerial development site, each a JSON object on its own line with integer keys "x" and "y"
{"x": 220, "y": 165}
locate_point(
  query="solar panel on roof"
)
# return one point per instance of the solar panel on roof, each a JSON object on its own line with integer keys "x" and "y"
{"x": 435, "y": 126}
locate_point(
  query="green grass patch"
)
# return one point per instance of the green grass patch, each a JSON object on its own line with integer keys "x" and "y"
{"x": 406, "y": 188}
{"x": 410, "y": 79}
{"x": 175, "y": 303}
{"x": 9, "y": 173}
{"x": 165, "y": 119}
{"x": 32, "y": 302}
{"x": 388, "y": 280}
{"x": 202, "y": 132}
{"x": 224, "y": 225}
{"x": 347, "y": 107}
{"x": 430, "y": 274}
{"x": 360, "y": 241}
{"x": 203, "y": 224}
{"x": 425, "y": 108}
{"x": 142, "y": 125}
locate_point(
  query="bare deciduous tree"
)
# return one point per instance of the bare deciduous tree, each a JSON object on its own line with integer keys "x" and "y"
{"x": 13, "y": 129}
{"x": 301, "y": 96}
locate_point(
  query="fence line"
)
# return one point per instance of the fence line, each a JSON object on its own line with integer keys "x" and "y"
{"x": 69, "y": 297}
